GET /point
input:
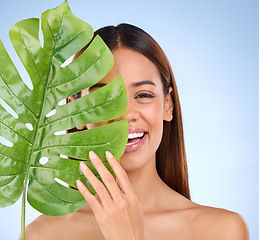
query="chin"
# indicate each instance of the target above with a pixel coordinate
(132, 162)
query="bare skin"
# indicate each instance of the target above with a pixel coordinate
(153, 210)
(186, 221)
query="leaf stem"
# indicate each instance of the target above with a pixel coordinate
(23, 209)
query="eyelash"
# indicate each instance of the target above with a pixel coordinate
(146, 95)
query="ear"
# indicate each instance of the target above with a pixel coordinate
(71, 99)
(168, 107)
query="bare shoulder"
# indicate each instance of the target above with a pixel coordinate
(43, 227)
(216, 223)
(76, 225)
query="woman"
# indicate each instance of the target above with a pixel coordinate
(149, 198)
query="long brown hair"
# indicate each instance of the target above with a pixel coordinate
(171, 161)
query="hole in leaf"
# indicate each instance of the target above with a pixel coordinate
(8, 108)
(62, 102)
(61, 182)
(69, 60)
(63, 156)
(24, 75)
(41, 38)
(6, 142)
(43, 160)
(51, 113)
(29, 126)
(60, 132)
(21, 70)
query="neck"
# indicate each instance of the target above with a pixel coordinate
(151, 191)
(148, 186)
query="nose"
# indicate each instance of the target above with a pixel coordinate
(132, 114)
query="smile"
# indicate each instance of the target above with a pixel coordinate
(136, 139)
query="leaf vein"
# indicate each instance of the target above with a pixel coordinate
(49, 191)
(43, 96)
(81, 75)
(31, 56)
(1, 77)
(60, 47)
(11, 179)
(17, 160)
(53, 169)
(86, 146)
(80, 113)
(16, 132)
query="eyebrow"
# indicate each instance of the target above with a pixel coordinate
(97, 85)
(140, 83)
(135, 84)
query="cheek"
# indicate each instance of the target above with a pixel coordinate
(153, 115)
(94, 125)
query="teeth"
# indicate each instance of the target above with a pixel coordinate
(135, 135)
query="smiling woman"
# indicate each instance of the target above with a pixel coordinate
(171, 152)
(149, 197)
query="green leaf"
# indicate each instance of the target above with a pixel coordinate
(29, 149)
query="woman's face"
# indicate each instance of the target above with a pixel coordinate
(147, 106)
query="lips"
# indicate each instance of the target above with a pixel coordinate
(136, 139)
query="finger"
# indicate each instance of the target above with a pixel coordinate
(96, 184)
(120, 173)
(106, 176)
(89, 197)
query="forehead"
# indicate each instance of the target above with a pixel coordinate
(133, 67)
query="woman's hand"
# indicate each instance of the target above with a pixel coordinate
(120, 215)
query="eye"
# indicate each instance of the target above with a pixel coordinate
(145, 95)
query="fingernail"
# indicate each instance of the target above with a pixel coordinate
(79, 183)
(83, 165)
(109, 155)
(92, 155)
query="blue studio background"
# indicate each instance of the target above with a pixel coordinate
(213, 47)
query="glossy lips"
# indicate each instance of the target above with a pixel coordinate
(136, 139)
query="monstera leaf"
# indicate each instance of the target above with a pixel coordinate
(32, 151)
